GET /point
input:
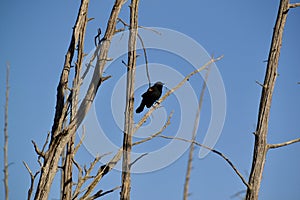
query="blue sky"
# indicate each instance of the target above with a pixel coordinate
(34, 39)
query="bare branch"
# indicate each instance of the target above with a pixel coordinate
(5, 148)
(100, 193)
(155, 134)
(262, 85)
(61, 136)
(37, 150)
(103, 170)
(81, 140)
(146, 59)
(260, 143)
(171, 91)
(146, 28)
(32, 178)
(191, 152)
(294, 5)
(137, 159)
(83, 177)
(214, 151)
(46, 142)
(129, 108)
(274, 146)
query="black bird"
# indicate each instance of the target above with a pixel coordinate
(150, 96)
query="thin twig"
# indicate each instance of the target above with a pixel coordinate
(146, 59)
(100, 193)
(143, 27)
(214, 151)
(81, 140)
(274, 146)
(262, 85)
(83, 177)
(144, 49)
(191, 152)
(157, 133)
(137, 159)
(37, 150)
(46, 142)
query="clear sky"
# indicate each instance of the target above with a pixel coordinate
(34, 39)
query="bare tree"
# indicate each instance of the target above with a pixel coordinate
(61, 135)
(69, 114)
(5, 148)
(261, 146)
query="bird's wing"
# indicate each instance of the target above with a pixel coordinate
(147, 92)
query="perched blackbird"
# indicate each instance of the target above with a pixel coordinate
(149, 97)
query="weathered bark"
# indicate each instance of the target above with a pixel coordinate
(129, 109)
(260, 145)
(68, 165)
(58, 138)
(5, 148)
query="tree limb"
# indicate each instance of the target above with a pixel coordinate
(157, 133)
(100, 193)
(294, 5)
(37, 150)
(260, 143)
(32, 178)
(274, 146)
(129, 108)
(60, 137)
(104, 169)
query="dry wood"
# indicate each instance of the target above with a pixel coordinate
(129, 109)
(67, 178)
(260, 145)
(59, 139)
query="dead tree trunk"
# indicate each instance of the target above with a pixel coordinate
(129, 110)
(61, 136)
(59, 139)
(260, 145)
(68, 165)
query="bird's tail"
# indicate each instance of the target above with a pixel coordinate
(140, 108)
